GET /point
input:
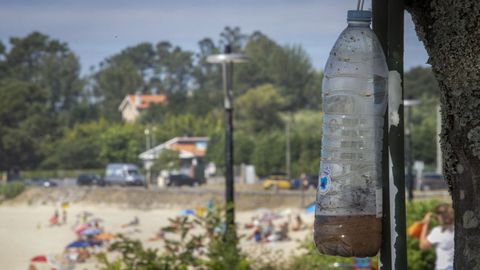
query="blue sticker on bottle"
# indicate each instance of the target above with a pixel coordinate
(324, 181)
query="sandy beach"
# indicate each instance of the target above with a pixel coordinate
(25, 232)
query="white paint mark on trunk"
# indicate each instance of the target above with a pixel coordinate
(394, 101)
(394, 97)
(393, 190)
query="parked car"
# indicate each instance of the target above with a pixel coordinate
(42, 182)
(89, 179)
(177, 180)
(432, 181)
(123, 174)
(276, 181)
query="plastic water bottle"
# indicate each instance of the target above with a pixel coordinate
(349, 196)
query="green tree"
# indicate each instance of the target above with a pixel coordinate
(288, 68)
(234, 37)
(242, 152)
(173, 69)
(112, 83)
(312, 93)
(269, 153)
(79, 148)
(24, 124)
(121, 143)
(141, 56)
(3, 64)
(305, 154)
(216, 150)
(49, 64)
(292, 72)
(258, 109)
(419, 82)
(187, 125)
(178, 103)
(207, 76)
(153, 114)
(167, 160)
(261, 50)
(306, 138)
(424, 130)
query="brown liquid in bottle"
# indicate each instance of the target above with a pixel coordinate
(348, 236)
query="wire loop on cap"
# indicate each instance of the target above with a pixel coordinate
(360, 4)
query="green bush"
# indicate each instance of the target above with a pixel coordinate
(183, 249)
(11, 190)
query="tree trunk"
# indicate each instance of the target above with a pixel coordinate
(450, 31)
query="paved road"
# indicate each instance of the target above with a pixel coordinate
(215, 188)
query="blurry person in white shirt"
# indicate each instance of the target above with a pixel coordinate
(441, 237)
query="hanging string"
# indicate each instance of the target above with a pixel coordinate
(360, 4)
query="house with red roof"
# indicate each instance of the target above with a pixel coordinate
(132, 105)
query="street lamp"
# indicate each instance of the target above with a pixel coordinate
(227, 59)
(147, 146)
(147, 139)
(154, 130)
(409, 103)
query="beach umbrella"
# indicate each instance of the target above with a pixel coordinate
(310, 209)
(80, 228)
(91, 231)
(40, 258)
(104, 236)
(79, 244)
(186, 212)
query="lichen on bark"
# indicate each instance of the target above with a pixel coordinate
(450, 31)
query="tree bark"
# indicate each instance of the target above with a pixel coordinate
(450, 31)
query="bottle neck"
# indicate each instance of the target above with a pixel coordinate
(358, 24)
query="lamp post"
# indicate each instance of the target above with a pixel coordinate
(147, 147)
(227, 59)
(409, 103)
(147, 139)
(154, 130)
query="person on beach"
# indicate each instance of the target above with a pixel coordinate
(298, 224)
(441, 237)
(64, 216)
(65, 206)
(134, 222)
(54, 218)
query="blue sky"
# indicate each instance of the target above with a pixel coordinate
(95, 30)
